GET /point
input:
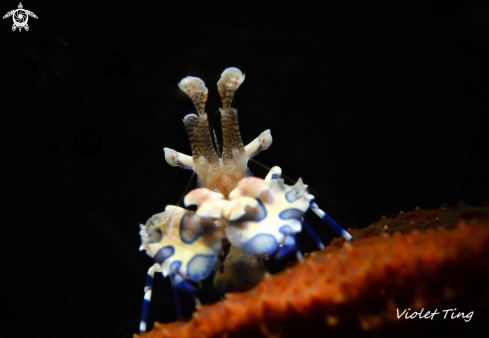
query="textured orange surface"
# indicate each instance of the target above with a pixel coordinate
(422, 259)
(418, 220)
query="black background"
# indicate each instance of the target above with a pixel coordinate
(379, 107)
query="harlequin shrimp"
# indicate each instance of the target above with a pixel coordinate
(258, 217)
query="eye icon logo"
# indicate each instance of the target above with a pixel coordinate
(20, 17)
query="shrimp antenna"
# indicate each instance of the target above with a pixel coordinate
(187, 188)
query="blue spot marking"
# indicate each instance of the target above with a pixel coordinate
(285, 229)
(291, 213)
(176, 278)
(174, 266)
(200, 266)
(287, 247)
(184, 285)
(291, 195)
(261, 244)
(187, 233)
(156, 235)
(164, 253)
(260, 215)
(275, 176)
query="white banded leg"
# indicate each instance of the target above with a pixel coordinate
(148, 290)
(331, 222)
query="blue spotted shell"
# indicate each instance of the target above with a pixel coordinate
(261, 214)
(182, 242)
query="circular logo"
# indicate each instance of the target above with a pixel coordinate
(20, 17)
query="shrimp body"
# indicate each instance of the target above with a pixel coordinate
(259, 217)
(181, 243)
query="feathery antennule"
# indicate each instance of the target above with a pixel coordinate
(203, 152)
(196, 90)
(216, 168)
(230, 81)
